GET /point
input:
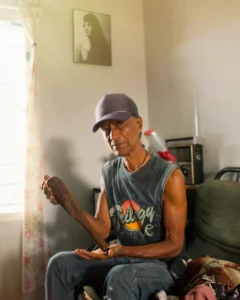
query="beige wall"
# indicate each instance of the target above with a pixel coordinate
(69, 93)
(192, 54)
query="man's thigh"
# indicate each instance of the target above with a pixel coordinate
(77, 272)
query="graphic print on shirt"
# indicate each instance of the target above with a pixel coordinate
(133, 217)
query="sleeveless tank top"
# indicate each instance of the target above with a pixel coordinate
(135, 200)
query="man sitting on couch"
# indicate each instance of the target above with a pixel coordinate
(143, 197)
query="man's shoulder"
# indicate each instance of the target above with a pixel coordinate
(160, 163)
(176, 177)
(162, 169)
(112, 164)
(110, 169)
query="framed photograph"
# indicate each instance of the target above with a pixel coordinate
(91, 38)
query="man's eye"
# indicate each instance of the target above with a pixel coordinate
(106, 130)
(120, 122)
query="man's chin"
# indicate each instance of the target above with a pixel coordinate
(120, 153)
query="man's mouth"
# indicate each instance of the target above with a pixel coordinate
(117, 145)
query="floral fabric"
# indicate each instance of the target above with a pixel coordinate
(34, 243)
(223, 277)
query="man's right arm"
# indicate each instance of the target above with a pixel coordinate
(101, 221)
(100, 224)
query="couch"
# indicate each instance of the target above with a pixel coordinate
(216, 221)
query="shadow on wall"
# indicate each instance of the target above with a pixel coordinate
(107, 158)
(64, 233)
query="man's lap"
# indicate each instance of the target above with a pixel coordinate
(138, 272)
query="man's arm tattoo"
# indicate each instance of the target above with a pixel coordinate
(65, 198)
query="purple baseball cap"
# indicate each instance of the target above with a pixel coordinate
(114, 107)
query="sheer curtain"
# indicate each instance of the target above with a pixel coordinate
(34, 241)
(34, 244)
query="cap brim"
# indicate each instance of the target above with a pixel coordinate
(120, 116)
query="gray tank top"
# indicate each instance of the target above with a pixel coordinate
(135, 200)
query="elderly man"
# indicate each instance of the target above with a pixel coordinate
(143, 198)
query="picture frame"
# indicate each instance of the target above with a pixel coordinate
(91, 38)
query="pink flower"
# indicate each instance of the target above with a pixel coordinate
(40, 206)
(28, 285)
(28, 234)
(27, 260)
(27, 194)
(43, 268)
(41, 242)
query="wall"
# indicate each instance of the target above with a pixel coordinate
(192, 56)
(68, 94)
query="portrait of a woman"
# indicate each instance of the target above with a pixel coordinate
(90, 41)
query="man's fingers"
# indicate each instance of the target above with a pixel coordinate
(97, 251)
(46, 191)
(77, 251)
(110, 253)
(50, 193)
(81, 254)
(86, 253)
(51, 196)
(81, 251)
(53, 201)
(43, 184)
(92, 255)
(46, 177)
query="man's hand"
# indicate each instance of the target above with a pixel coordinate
(48, 191)
(115, 250)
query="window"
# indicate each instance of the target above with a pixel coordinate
(12, 116)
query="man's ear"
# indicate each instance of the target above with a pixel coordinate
(139, 124)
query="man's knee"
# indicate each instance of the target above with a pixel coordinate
(118, 281)
(59, 262)
(135, 281)
(116, 274)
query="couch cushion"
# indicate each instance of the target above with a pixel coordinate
(217, 220)
(199, 247)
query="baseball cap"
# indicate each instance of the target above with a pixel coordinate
(114, 107)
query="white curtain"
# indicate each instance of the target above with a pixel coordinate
(35, 250)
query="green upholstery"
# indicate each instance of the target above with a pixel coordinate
(217, 221)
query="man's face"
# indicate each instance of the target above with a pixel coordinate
(122, 136)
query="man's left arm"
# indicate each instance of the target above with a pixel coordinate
(174, 213)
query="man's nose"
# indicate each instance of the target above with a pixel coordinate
(114, 132)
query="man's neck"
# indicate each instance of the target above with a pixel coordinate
(136, 158)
